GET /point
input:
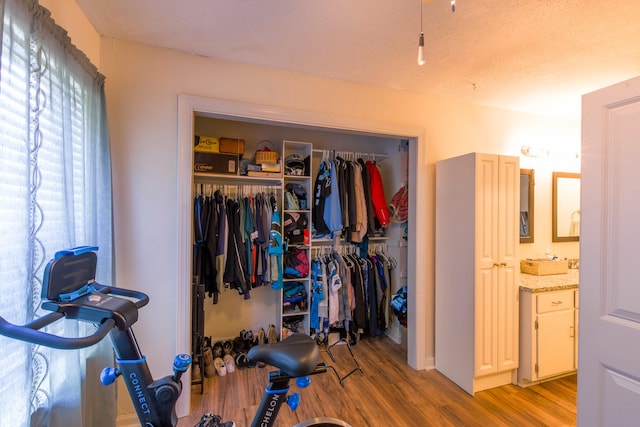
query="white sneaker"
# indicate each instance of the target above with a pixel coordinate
(221, 369)
(229, 363)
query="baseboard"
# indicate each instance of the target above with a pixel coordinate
(430, 363)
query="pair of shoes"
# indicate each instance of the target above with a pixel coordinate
(220, 367)
(272, 335)
(209, 368)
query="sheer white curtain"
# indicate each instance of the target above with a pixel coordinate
(55, 192)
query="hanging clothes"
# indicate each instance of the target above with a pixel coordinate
(317, 294)
(204, 245)
(221, 242)
(332, 210)
(231, 242)
(235, 273)
(276, 249)
(359, 230)
(376, 189)
(322, 188)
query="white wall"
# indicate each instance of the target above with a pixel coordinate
(69, 16)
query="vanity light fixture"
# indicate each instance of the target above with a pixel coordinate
(530, 151)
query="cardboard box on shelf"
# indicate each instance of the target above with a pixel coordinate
(207, 144)
(215, 163)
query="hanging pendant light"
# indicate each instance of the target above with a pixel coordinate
(421, 60)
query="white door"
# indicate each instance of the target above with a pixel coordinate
(609, 352)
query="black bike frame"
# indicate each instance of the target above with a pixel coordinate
(275, 394)
(154, 402)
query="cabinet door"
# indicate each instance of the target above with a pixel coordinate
(486, 276)
(556, 342)
(508, 259)
(497, 244)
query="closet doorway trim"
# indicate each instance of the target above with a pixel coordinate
(189, 106)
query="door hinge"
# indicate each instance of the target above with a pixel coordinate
(536, 368)
(535, 326)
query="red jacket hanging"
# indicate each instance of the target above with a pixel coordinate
(377, 194)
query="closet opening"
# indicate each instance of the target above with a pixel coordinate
(400, 156)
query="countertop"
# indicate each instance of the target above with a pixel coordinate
(553, 282)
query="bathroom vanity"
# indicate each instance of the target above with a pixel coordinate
(548, 326)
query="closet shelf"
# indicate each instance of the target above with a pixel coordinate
(235, 179)
(342, 241)
(294, 313)
(297, 177)
(307, 211)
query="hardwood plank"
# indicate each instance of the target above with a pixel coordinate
(389, 392)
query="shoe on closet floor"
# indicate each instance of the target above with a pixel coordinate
(217, 350)
(238, 345)
(261, 338)
(272, 335)
(227, 347)
(196, 375)
(209, 369)
(248, 338)
(220, 367)
(229, 363)
(242, 361)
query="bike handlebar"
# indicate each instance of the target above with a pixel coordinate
(141, 299)
(28, 334)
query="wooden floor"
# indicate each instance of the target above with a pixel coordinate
(389, 392)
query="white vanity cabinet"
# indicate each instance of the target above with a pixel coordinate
(548, 334)
(477, 269)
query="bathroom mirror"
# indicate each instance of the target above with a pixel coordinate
(566, 207)
(526, 205)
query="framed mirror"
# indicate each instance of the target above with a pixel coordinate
(565, 220)
(526, 205)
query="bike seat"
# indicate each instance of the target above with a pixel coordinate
(297, 355)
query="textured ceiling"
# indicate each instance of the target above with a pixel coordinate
(536, 56)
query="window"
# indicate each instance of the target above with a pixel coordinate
(55, 192)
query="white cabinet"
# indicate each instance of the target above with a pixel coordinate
(477, 269)
(548, 338)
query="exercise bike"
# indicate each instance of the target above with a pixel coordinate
(69, 290)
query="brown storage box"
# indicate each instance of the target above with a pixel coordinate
(215, 163)
(231, 146)
(543, 267)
